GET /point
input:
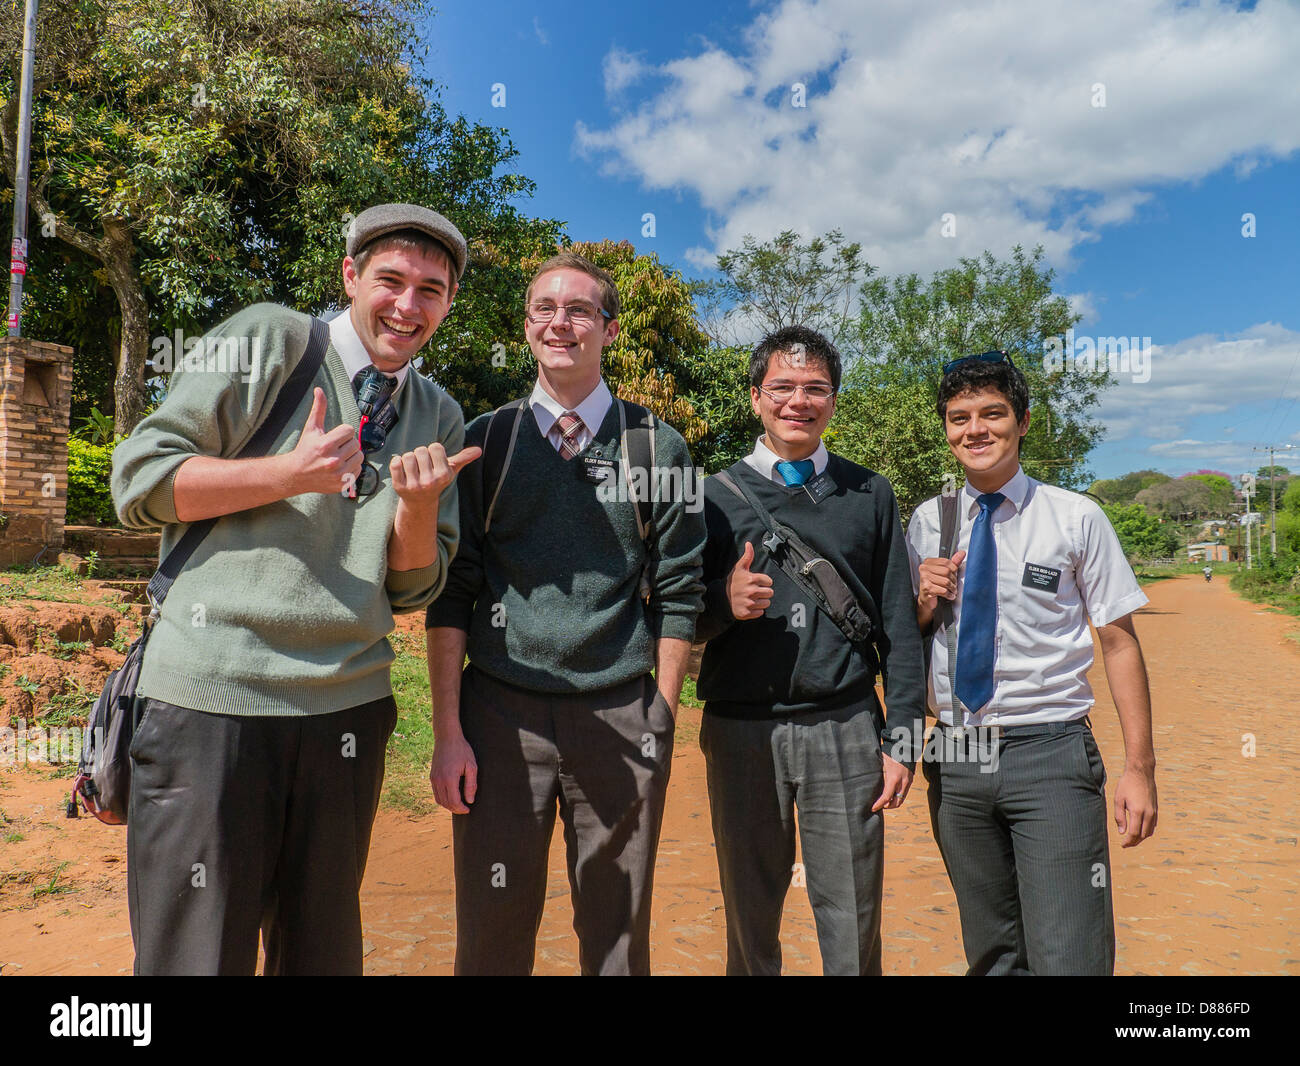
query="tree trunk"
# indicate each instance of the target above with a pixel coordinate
(129, 393)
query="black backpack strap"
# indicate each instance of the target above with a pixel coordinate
(291, 394)
(949, 529)
(636, 426)
(498, 448)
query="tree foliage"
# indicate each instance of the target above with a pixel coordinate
(1222, 495)
(1125, 489)
(1141, 534)
(194, 156)
(1182, 499)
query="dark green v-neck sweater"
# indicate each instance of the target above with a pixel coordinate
(550, 596)
(794, 659)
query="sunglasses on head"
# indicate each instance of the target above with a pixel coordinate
(996, 356)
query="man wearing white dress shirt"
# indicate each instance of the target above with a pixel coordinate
(558, 709)
(1016, 783)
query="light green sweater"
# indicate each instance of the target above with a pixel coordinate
(284, 609)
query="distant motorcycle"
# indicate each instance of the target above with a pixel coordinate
(1207, 572)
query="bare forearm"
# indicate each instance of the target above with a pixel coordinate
(446, 654)
(206, 487)
(671, 657)
(1127, 674)
(413, 543)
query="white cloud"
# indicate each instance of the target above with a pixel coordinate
(986, 113)
(542, 37)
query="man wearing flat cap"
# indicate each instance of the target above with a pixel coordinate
(265, 689)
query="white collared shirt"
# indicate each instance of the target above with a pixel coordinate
(764, 460)
(547, 410)
(1042, 648)
(347, 342)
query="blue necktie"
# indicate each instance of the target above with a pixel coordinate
(979, 610)
(795, 473)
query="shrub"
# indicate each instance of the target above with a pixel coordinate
(90, 469)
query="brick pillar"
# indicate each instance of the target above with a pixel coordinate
(35, 402)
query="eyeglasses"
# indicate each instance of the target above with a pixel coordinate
(782, 393)
(996, 356)
(577, 314)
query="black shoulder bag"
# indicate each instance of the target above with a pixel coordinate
(814, 575)
(103, 781)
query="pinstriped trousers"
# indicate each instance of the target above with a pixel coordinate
(1025, 847)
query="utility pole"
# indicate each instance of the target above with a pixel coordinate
(1247, 487)
(1272, 484)
(22, 167)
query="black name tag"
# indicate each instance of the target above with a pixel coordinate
(819, 487)
(1043, 578)
(595, 469)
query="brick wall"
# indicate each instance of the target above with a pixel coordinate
(35, 400)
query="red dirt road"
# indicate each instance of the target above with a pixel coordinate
(1214, 892)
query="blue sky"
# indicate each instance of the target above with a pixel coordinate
(989, 112)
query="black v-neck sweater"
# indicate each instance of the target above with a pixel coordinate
(794, 659)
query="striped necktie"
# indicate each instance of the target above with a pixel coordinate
(570, 426)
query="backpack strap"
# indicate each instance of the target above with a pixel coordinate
(498, 448)
(636, 434)
(949, 528)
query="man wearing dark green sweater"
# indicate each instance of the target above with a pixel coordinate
(791, 718)
(267, 697)
(558, 708)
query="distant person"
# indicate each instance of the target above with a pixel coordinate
(1017, 786)
(558, 709)
(1207, 572)
(268, 704)
(792, 724)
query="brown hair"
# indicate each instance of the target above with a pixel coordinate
(573, 261)
(409, 240)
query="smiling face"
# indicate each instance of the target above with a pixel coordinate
(398, 300)
(568, 353)
(793, 428)
(985, 437)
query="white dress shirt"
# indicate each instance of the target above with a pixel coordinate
(547, 410)
(764, 460)
(1042, 648)
(346, 341)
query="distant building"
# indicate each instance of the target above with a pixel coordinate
(1207, 552)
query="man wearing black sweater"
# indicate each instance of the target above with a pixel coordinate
(558, 710)
(792, 720)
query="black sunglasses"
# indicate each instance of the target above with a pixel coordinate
(996, 356)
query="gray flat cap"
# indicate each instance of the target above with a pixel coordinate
(387, 218)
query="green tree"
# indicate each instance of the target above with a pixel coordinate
(784, 282)
(914, 327)
(1141, 534)
(1125, 489)
(199, 156)
(1223, 496)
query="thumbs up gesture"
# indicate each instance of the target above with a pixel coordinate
(322, 461)
(748, 593)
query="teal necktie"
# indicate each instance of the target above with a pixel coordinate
(795, 473)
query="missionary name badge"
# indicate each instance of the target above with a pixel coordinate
(1043, 578)
(595, 469)
(819, 487)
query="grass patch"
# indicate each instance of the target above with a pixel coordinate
(59, 584)
(410, 749)
(52, 886)
(14, 838)
(70, 706)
